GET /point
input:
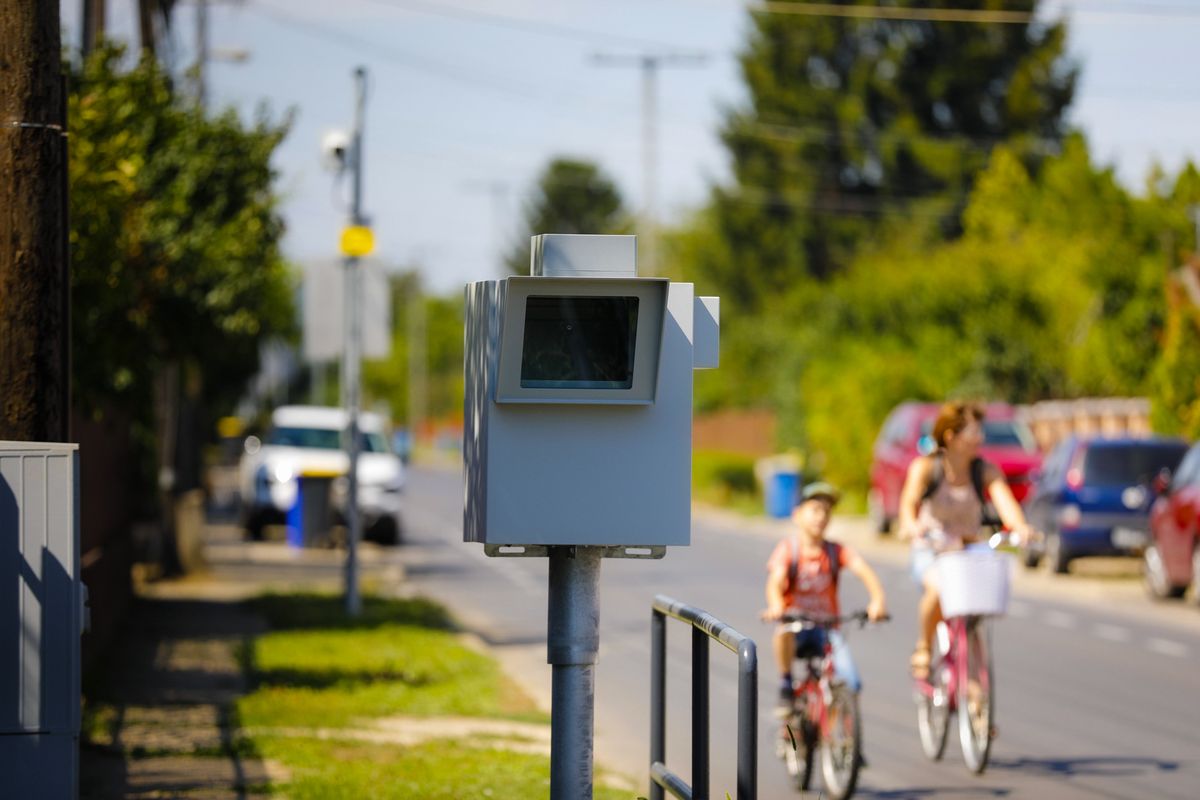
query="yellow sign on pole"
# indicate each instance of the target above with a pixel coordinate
(357, 240)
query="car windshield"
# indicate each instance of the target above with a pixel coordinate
(1130, 464)
(997, 433)
(324, 439)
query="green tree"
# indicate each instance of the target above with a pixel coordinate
(175, 231)
(571, 196)
(441, 318)
(847, 122)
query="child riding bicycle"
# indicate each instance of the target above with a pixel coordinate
(802, 578)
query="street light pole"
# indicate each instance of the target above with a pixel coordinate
(353, 354)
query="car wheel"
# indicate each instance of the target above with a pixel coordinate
(386, 532)
(1154, 576)
(1058, 559)
(254, 525)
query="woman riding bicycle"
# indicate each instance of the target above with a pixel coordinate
(942, 508)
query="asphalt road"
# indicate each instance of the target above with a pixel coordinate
(1098, 691)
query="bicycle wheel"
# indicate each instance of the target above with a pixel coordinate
(976, 700)
(841, 748)
(798, 744)
(933, 709)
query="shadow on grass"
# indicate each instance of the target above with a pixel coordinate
(162, 754)
(310, 611)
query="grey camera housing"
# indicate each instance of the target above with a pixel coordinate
(578, 402)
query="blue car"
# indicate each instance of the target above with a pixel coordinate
(1093, 497)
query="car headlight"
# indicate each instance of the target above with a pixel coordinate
(282, 473)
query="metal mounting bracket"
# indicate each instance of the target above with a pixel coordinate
(543, 550)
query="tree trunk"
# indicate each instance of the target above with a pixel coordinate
(34, 280)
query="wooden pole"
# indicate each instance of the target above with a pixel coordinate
(34, 283)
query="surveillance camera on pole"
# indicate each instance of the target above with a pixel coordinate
(577, 441)
(335, 150)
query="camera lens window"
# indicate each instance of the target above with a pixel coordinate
(579, 342)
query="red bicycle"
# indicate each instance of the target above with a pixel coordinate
(961, 680)
(823, 716)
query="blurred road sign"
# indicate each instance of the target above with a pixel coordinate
(323, 304)
(357, 240)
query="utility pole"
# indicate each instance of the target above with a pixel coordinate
(34, 282)
(418, 361)
(146, 26)
(649, 63)
(352, 362)
(497, 191)
(94, 18)
(201, 51)
(205, 53)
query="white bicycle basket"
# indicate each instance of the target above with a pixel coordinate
(974, 582)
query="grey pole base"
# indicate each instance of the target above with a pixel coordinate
(572, 646)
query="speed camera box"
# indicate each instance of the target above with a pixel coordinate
(578, 407)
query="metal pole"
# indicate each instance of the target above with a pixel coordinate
(418, 367)
(201, 51)
(658, 696)
(747, 722)
(649, 64)
(699, 714)
(649, 163)
(353, 357)
(573, 643)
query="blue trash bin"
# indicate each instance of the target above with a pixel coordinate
(308, 520)
(781, 493)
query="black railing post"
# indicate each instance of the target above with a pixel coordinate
(747, 778)
(658, 696)
(704, 627)
(699, 714)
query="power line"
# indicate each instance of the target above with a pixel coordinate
(524, 25)
(897, 13)
(847, 206)
(358, 43)
(822, 132)
(967, 15)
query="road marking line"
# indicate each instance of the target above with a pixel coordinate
(1112, 633)
(1060, 619)
(1167, 647)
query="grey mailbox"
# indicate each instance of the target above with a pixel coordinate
(41, 619)
(578, 417)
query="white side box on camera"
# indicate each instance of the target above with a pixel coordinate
(578, 407)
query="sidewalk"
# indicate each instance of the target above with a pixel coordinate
(167, 721)
(167, 725)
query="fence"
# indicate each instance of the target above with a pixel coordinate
(704, 627)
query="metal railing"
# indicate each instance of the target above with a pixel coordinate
(704, 627)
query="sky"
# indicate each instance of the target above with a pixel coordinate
(470, 99)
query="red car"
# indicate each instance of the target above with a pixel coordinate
(907, 432)
(1172, 559)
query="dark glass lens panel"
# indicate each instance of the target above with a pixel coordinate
(579, 342)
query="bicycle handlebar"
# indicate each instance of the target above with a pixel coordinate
(800, 622)
(1001, 538)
